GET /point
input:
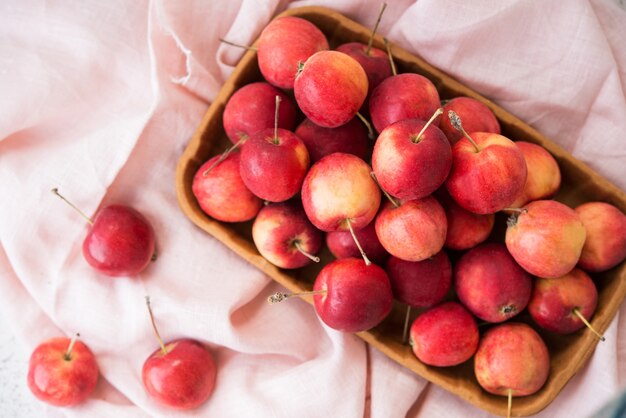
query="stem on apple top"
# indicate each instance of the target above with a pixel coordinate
(509, 406)
(242, 138)
(358, 244)
(370, 131)
(279, 297)
(418, 138)
(371, 40)
(154, 327)
(407, 317)
(276, 120)
(512, 220)
(87, 218)
(68, 353)
(458, 125)
(305, 252)
(249, 48)
(393, 64)
(391, 199)
(576, 311)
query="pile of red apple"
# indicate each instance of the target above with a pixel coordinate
(389, 207)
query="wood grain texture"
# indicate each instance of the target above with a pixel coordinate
(568, 353)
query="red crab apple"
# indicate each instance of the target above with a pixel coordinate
(476, 117)
(341, 244)
(403, 96)
(465, 229)
(488, 171)
(411, 158)
(511, 360)
(413, 230)
(491, 284)
(349, 295)
(544, 175)
(283, 44)
(62, 372)
(330, 88)
(284, 236)
(120, 241)
(221, 193)
(181, 374)
(564, 304)
(350, 138)
(445, 335)
(339, 194)
(251, 109)
(605, 246)
(545, 238)
(273, 163)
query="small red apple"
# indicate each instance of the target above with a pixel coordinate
(476, 117)
(465, 229)
(544, 175)
(445, 335)
(62, 372)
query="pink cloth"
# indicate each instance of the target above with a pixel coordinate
(100, 99)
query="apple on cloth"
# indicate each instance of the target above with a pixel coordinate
(101, 99)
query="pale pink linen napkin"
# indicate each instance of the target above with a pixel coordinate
(101, 99)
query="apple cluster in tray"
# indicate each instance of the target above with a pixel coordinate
(437, 175)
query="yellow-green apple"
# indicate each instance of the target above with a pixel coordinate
(284, 43)
(544, 175)
(285, 237)
(120, 240)
(414, 230)
(605, 246)
(564, 304)
(511, 360)
(465, 229)
(180, 374)
(488, 171)
(341, 244)
(221, 193)
(330, 88)
(403, 96)
(491, 284)
(62, 372)
(411, 158)
(354, 296)
(420, 284)
(252, 108)
(476, 117)
(445, 335)
(273, 164)
(545, 238)
(350, 138)
(338, 193)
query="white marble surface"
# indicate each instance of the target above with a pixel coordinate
(16, 401)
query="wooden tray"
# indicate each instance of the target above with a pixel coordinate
(580, 184)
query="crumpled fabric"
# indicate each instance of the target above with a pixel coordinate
(101, 98)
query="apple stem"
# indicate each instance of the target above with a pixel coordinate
(87, 218)
(154, 257)
(226, 153)
(418, 138)
(370, 131)
(279, 296)
(249, 48)
(358, 244)
(393, 65)
(512, 220)
(68, 354)
(154, 327)
(407, 317)
(579, 314)
(305, 252)
(509, 403)
(371, 40)
(391, 199)
(276, 120)
(458, 125)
